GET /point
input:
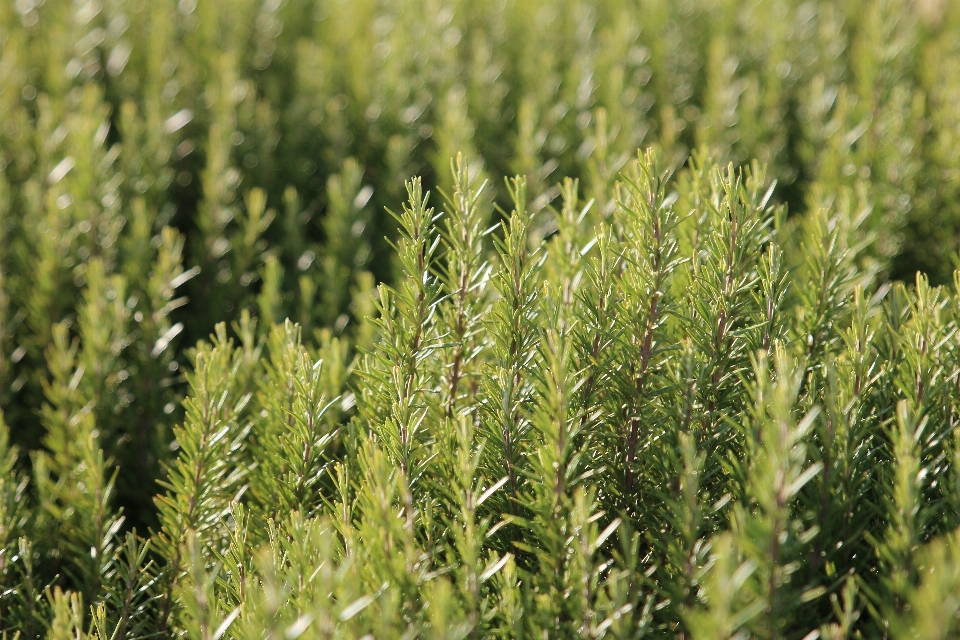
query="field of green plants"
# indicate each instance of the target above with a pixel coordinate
(479, 319)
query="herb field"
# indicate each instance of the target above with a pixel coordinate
(503, 318)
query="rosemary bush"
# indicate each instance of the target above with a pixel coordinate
(257, 382)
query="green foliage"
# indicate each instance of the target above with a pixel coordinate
(680, 393)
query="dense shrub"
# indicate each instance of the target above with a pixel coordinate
(709, 390)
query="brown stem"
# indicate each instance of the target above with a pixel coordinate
(461, 329)
(645, 354)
